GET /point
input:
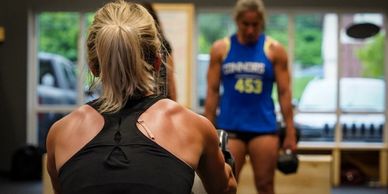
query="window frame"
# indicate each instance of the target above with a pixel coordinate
(33, 107)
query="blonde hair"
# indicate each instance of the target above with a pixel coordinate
(249, 5)
(123, 43)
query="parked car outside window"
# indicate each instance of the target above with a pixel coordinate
(57, 85)
(57, 80)
(357, 95)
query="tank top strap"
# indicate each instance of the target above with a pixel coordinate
(93, 104)
(137, 107)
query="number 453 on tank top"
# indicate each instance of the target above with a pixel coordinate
(249, 85)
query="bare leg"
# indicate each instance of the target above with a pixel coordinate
(263, 153)
(238, 149)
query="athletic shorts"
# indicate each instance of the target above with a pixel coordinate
(246, 137)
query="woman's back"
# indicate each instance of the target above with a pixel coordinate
(122, 145)
(125, 160)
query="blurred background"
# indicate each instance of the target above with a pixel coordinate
(338, 79)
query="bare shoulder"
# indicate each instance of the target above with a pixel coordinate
(275, 51)
(179, 130)
(84, 113)
(174, 110)
(69, 134)
(71, 123)
(220, 47)
(273, 45)
(220, 43)
(184, 119)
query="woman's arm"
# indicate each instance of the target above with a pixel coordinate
(216, 175)
(51, 165)
(213, 80)
(282, 76)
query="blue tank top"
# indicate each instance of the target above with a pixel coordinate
(247, 79)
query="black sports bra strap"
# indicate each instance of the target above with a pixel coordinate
(141, 106)
(133, 105)
(93, 104)
(149, 101)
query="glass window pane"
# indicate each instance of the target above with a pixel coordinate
(222, 25)
(314, 76)
(277, 28)
(58, 38)
(57, 80)
(362, 88)
(316, 126)
(362, 128)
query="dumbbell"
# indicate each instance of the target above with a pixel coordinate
(288, 162)
(223, 137)
(198, 187)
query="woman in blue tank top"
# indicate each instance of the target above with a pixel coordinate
(132, 140)
(246, 66)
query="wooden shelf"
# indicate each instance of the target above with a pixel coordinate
(305, 145)
(336, 148)
(361, 146)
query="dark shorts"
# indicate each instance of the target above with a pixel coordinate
(246, 137)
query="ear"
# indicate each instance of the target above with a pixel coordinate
(95, 69)
(157, 62)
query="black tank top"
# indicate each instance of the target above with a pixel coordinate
(122, 160)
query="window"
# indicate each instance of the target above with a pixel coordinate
(362, 89)
(314, 75)
(59, 70)
(222, 26)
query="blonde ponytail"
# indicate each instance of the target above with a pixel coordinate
(122, 38)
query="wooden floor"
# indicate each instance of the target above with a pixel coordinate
(246, 184)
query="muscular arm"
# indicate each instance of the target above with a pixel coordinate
(51, 166)
(216, 175)
(282, 76)
(213, 80)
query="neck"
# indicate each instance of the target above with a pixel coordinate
(245, 41)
